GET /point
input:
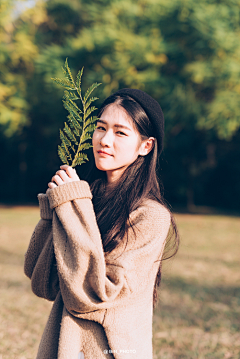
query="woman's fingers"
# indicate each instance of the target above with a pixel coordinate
(57, 179)
(71, 172)
(63, 175)
(51, 185)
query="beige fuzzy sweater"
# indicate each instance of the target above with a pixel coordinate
(103, 303)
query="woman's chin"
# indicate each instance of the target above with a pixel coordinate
(101, 168)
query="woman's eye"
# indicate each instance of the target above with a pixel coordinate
(121, 133)
(101, 127)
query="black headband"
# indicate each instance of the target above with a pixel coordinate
(152, 109)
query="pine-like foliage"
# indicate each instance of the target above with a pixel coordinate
(80, 125)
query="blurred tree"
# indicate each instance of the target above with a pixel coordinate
(183, 53)
(18, 52)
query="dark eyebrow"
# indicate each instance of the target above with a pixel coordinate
(118, 126)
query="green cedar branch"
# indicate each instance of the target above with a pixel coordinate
(80, 126)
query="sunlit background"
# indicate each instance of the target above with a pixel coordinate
(186, 54)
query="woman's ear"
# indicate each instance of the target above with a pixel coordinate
(146, 146)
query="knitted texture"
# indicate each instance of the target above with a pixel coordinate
(45, 210)
(102, 302)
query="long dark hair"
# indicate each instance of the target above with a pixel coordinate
(113, 203)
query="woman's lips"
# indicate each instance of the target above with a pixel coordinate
(104, 154)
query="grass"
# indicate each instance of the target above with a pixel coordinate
(23, 315)
(198, 315)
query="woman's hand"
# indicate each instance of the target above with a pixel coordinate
(65, 175)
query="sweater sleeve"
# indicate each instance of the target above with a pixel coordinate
(40, 262)
(89, 280)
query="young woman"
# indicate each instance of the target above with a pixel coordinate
(98, 247)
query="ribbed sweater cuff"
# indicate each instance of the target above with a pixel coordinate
(68, 192)
(45, 210)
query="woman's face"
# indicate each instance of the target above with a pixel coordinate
(116, 136)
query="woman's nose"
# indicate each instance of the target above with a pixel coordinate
(106, 139)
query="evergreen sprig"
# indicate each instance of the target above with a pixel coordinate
(80, 125)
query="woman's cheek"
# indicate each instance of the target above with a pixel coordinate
(94, 138)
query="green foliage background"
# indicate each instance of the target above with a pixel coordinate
(184, 53)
